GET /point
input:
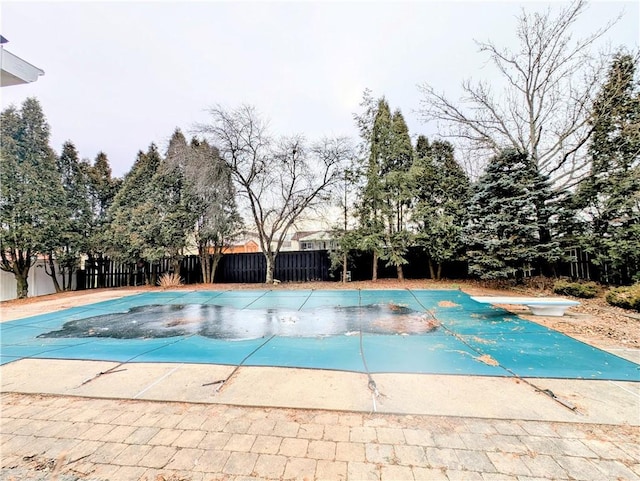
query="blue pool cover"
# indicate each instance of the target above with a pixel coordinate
(468, 338)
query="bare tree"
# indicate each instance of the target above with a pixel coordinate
(278, 179)
(550, 82)
(211, 197)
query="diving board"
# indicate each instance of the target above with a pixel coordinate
(539, 306)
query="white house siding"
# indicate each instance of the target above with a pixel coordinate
(40, 283)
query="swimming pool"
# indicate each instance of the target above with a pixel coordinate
(379, 331)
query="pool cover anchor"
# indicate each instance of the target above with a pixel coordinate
(373, 387)
(374, 393)
(564, 402)
(220, 383)
(113, 370)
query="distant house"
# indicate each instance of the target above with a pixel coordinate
(247, 242)
(15, 71)
(313, 240)
(242, 248)
(298, 241)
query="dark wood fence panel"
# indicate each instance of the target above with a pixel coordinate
(243, 268)
(303, 266)
(290, 267)
(233, 268)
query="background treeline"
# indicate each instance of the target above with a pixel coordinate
(513, 219)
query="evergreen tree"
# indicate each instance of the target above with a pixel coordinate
(75, 218)
(371, 231)
(385, 196)
(505, 219)
(102, 190)
(169, 203)
(440, 190)
(31, 194)
(132, 218)
(609, 198)
(396, 192)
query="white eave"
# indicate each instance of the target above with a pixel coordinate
(317, 236)
(16, 71)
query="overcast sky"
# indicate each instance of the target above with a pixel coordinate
(121, 75)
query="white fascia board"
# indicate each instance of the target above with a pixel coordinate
(317, 236)
(16, 71)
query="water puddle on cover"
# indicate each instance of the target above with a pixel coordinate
(223, 322)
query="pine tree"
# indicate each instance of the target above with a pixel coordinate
(76, 216)
(132, 218)
(440, 190)
(385, 196)
(102, 190)
(169, 204)
(396, 192)
(31, 194)
(610, 195)
(371, 231)
(505, 220)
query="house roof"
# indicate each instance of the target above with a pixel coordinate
(302, 234)
(321, 235)
(16, 71)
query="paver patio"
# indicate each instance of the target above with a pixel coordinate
(82, 436)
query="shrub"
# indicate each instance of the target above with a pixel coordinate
(168, 280)
(585, 290)
(627, 297)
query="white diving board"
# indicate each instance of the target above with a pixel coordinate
(540, 306)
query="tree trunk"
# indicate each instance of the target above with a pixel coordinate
(22, 285)
(153, 277)
(432, 270)
(400, 272)
(214, 265)
(19, 265)
(64, 274)
(271, 267)
(344, 268)
(205, 263)
(439, 271)
(204, 267)
(70, 279)
(374, 274)
(53, 275)
(176, 262)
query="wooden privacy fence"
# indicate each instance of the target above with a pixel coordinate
(238, 268)
(299, 266)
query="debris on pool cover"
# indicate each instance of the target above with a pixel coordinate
(223, 322)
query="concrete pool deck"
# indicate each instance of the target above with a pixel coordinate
(423, 427)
